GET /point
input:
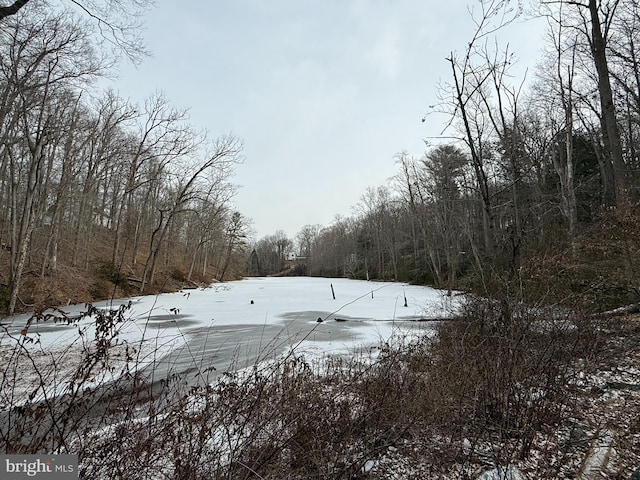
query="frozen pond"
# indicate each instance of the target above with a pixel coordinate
(235, 324)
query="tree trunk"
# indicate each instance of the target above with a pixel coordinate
(611, 131)
(477, 161)
(23, 239)
(154, 249)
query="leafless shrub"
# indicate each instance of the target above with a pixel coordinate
(501, 374)
(72, 392)
(478, 394)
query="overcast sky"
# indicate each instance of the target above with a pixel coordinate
(323, 93)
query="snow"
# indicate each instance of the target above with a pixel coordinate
(249, 315)
(597, 459)
(257, 312)
(168, 318)
(508, 473)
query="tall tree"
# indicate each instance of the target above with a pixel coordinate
(45, 54)
(306, 239)
(235, 240)
(598, 44)
(444, 165)
(221, 156)
(467, 95)
(595, 19)
(562, 61)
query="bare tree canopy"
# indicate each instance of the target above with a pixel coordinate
(119, 22)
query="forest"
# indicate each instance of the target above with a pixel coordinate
(100, 197)
(533, 187)
(530, 181)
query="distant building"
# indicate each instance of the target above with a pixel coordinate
(295, 264)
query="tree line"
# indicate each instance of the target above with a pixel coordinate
(90, 181)
(524, 177)
(522, 174)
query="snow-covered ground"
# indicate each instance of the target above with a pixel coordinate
(259, 301)
(230, 325)
(236, 324)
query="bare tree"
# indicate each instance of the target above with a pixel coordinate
(235, 237)
(68, 145)
(445, 165)
(624, 68)
(377, 239)
(221, 156)
(45, 55)
(95, 149)
(206, 225)
(162, 135)
(118, 21)
(598, 44)
(563, 63)
(413, 184)
(594, 20)
(306, 238)
(271, 252)
(469, 88)
(334, 252)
